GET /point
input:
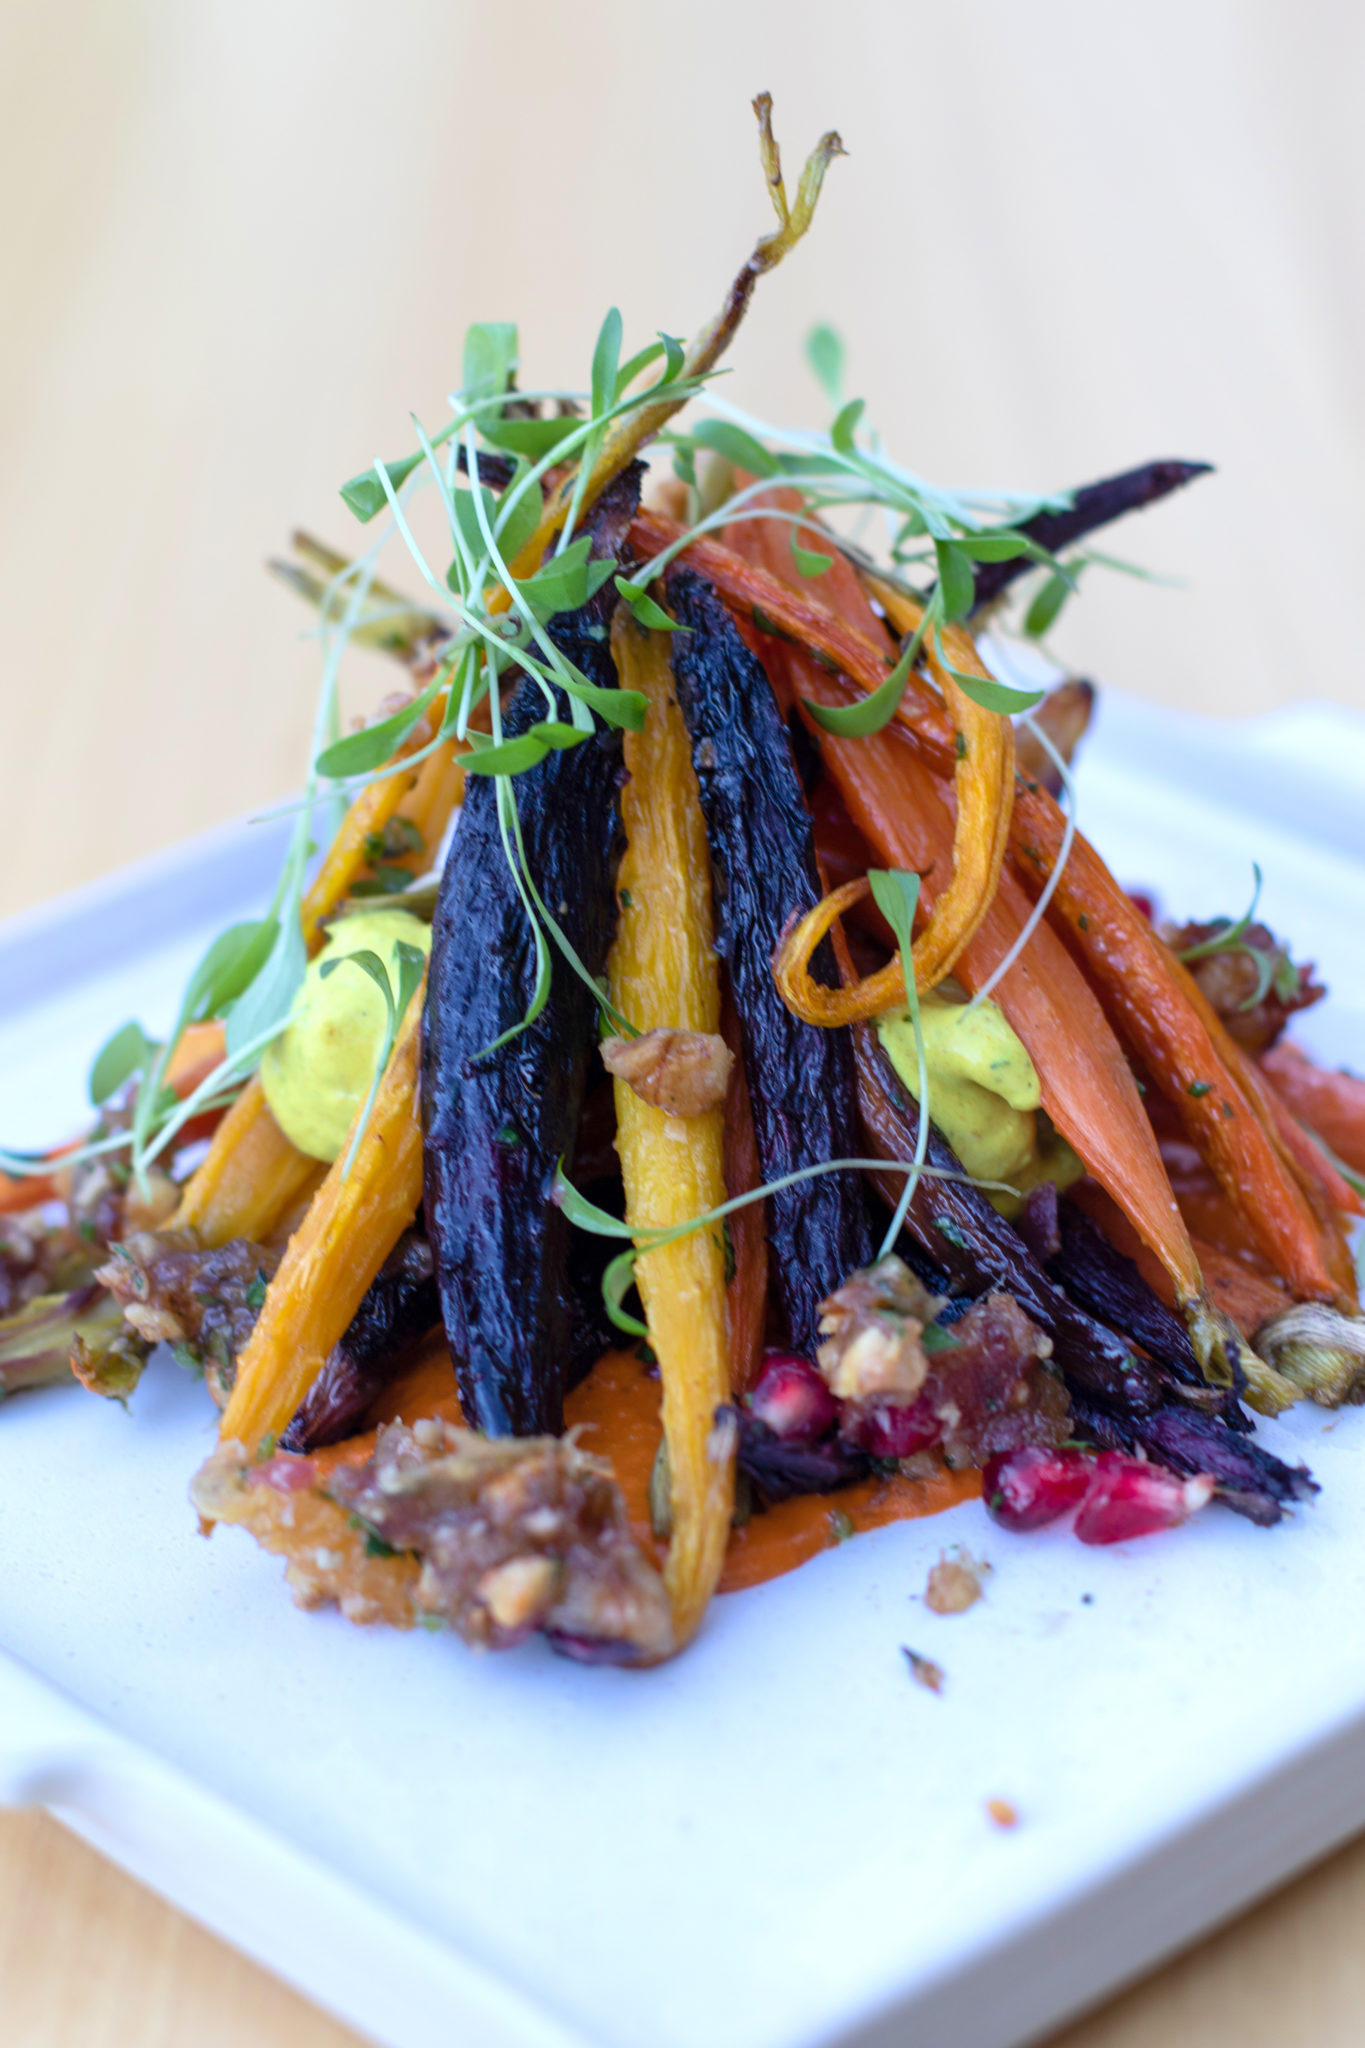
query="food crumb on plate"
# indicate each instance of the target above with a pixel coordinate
(1003, 1813)
(923, 1670)
(954, 1583)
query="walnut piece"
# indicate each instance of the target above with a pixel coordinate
(872, 1327)
(683, 1073)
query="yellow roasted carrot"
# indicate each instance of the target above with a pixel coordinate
(353, 1223)
(250, 1179)
(663, 972)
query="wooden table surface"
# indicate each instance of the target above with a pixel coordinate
(242, 241)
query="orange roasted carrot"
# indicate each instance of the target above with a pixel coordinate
(354, 1221)
(1164, 1017)
(252, 1175)
(349, 854)
(983, 776)
(1330, 1103)
(1120, 950)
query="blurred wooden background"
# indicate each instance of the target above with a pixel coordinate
(241, 240)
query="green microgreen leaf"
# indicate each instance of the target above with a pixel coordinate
(264, 1006)
(896, 893)
(825, 354)
(359, 753)
(491, 356)
(879, 707)
(646, 612)
(566, 581)
(809, 561)
(519, 512)
(675, 356)
(744, 450)
(956, 580)
(531, 438)
(513, 757)
(126, 1052)
(984, 690)
(365, 494)
(845, 426)
(229, 967)
(606, 356)
(1046, 607)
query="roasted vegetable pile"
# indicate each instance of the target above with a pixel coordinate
(767, 1115)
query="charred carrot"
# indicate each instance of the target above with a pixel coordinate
(1332, 1104)
(663, 971)
(353, 1223)
(1161, 1013)
(983, 779)
(1120, 951)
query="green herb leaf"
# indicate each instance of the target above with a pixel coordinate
(1003, 545)
(266, 1003)
(566, 581)
(825, 354)
(466, 512)
(646, 612)
(228, 968)
(513, 757)
(617, 1282)
(845, 425)
(860, 721)
(605, 357)
(129, 1051)
(255, 1294)
(956, 580)
(675, 355)
(984, 690)
(518, 519)
(1046, 607)
(360, 753)
(895, 891)
(491, 355)
(809, 561)
(723, 438)
(365, 494)
(933, 1337)
(532, 438)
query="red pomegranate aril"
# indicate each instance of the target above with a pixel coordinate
(886, 1431)
(1030, 1487)
(1128, 1498)
(792, 1398)
(1140, 900)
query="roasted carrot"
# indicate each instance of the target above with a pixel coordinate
(1164, 1017)
(353, 1223)
(1120, 951)
(349, 854)
(663, 971)
(249, 1179)
(983, 781)
(1332, 1104)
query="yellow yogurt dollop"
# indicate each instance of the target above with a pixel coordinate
(318, 1071)
(984, 1092)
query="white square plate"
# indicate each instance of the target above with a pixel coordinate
(779, 1840)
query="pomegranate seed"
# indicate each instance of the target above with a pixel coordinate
(1030, 1487)
(885, 1431)
(1129, 1498)
(1143, 902)
(792, 1398)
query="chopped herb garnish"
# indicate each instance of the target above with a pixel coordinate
(255, 1294)
(1198, 1088)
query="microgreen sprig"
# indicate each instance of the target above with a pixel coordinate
(644, 1237)
(411, 964)
(1274, 968)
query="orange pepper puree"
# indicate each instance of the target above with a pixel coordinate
(616, 1409)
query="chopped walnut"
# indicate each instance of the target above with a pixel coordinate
(954, 1583)
(173, 1293)
(683, 1073)
(514, 1534)
(872, 1327)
